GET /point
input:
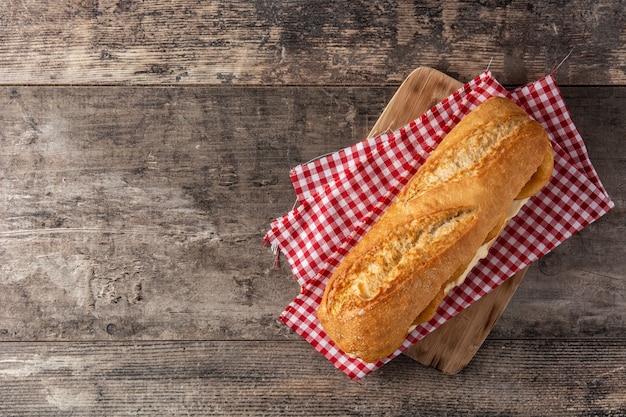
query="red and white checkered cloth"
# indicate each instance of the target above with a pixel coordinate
(341, 196)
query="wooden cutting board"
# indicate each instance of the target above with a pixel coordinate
(453, 345)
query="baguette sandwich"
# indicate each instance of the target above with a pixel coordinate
(438, 227)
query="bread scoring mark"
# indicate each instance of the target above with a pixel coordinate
(481, 144)
(408, 246)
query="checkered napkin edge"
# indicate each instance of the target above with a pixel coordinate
(341, 195)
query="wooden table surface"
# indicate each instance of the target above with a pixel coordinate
(146, 146)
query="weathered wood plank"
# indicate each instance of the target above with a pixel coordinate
(313, 42)
(531, 378)
(138, 213)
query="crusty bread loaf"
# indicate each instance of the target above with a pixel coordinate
(429, 237)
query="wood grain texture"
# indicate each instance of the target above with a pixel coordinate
(422, 89)
(307, 43)
(534, 378)
(138, 213)
(289, 379)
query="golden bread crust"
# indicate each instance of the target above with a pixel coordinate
(398, 271)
